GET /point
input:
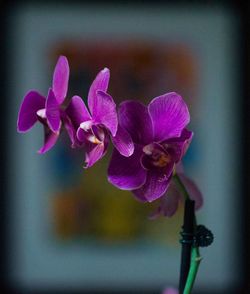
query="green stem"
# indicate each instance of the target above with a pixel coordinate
(195, 262)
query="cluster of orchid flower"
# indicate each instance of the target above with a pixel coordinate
(149, 141)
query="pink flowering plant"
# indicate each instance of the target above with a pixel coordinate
(48, 111)
(149, 144)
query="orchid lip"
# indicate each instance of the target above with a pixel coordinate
(163, 178)
(155, 156)
(161, 160)
(98, 132)
(93, 139)
(94, 134)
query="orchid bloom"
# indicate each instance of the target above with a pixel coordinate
(169, 202)
(35, 107)
(93, 127)
(160, 138)
(170, 291)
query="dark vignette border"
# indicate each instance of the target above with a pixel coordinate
(238, 7)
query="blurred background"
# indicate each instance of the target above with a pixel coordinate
(68, 230)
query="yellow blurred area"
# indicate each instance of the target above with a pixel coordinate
(96, 209)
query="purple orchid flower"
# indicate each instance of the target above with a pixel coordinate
(35, 107)
(94, 128)
(170, 290)
(169, 202)
(160, 139)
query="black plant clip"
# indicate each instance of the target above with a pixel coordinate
(191, 236)
(187, 238)
(203, 237)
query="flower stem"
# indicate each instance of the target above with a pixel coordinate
(190, 258)
(195, 262)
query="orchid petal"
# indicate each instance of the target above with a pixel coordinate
(27, 116)
(154, 214)
(50, 139)
(179, 168)
(186, 137)
(77, 111)
(100, 83)
(94, 152)
(52, 112)
(178, 146)
(104, 112)
(169, 115)
(61, 79)
(71, 130)
(170, 201)
(134, 117)
(123, 142)
(81, 134)
(154, 187)
(193, 191)
(126, 173)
